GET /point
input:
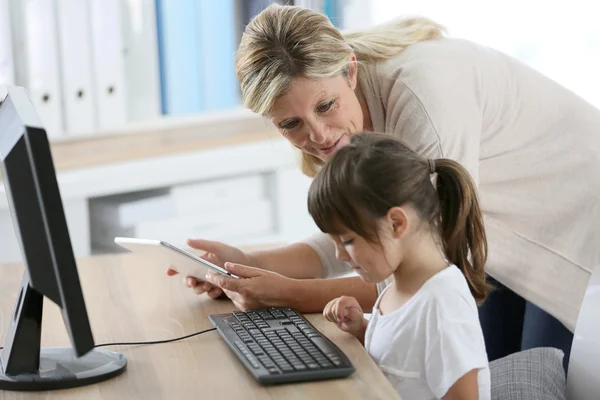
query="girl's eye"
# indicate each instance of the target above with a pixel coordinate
(347, 242)
(289, 124)
(325, 107)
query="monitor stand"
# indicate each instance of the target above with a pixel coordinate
(25, 366)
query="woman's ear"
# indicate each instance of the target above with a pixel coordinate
(352, 71)
(399, 221)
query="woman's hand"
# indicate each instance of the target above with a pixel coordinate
(256, 288)
(347, 314)
(216, 253)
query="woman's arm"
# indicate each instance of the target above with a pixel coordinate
(262, 288)
(286, 276)
(297, 260)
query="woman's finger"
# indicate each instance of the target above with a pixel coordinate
(202, 288)
(215, 292)
(190, 282)
(206, 245)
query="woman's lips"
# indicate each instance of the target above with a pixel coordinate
(332, 148)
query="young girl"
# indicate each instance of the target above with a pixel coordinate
(377, 200)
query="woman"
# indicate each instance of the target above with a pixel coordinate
(531, 146)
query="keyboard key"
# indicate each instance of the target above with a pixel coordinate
(323, 345)
(266, 316)
(273, 370)
(289, 313)
(300, 367)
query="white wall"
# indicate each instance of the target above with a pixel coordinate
(559, 39)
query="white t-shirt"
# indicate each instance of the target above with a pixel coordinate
(432, 340)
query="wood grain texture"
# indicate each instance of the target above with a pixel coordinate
(130, 301)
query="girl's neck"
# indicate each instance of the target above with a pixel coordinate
(424, 260)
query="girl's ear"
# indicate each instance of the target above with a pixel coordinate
(398, 220)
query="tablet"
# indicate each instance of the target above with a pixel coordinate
(164, 254)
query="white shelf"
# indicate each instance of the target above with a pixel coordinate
(243, 119)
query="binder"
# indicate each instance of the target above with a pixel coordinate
(181, 70)
(36, 59)
(251, 8)
(108, 65)
(7, 72)
(140, 57)
(217, 46)
(74, 36)
(316, 5)
(333, 10)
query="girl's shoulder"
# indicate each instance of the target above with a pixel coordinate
(448, 292)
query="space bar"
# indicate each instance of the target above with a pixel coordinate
(324, 346)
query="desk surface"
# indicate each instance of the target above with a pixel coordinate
(128, 302)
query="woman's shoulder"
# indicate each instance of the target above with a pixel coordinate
(432, 55)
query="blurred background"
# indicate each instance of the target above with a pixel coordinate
(142, 106)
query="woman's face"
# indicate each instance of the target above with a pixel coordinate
(318, 116)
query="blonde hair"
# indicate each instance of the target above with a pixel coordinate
(286, 42)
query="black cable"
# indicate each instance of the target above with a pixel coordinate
(153, 342)
(156, 341)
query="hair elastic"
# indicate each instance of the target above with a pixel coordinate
(431, 166)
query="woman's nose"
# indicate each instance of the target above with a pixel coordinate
(317, 133)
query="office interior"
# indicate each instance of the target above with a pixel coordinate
(148, 132)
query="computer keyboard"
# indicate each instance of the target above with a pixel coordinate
(278, 345)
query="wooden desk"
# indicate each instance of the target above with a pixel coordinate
(127, 301)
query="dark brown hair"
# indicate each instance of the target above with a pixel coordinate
(376, 172)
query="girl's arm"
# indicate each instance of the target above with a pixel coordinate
(466, 388)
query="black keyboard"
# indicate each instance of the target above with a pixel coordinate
(278, 345)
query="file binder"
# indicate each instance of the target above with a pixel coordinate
(108, 65)
(76, 66)
(217, 46)
(36, 59)
(7, 72)
(140, 53)
(181, 70)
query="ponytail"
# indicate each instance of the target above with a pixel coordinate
(461, 224)
(390, 39)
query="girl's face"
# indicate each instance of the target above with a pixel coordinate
(375, 262)
(318, 116)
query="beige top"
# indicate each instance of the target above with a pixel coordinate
(532, 146)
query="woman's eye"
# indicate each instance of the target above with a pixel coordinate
(289, 125)
(347, 242)
(325, 107)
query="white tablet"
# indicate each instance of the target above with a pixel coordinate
(166, 255)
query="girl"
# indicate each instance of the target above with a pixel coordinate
(376, 199)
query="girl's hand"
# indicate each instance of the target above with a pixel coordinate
(346, 313)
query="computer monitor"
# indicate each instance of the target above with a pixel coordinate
(50, 270)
